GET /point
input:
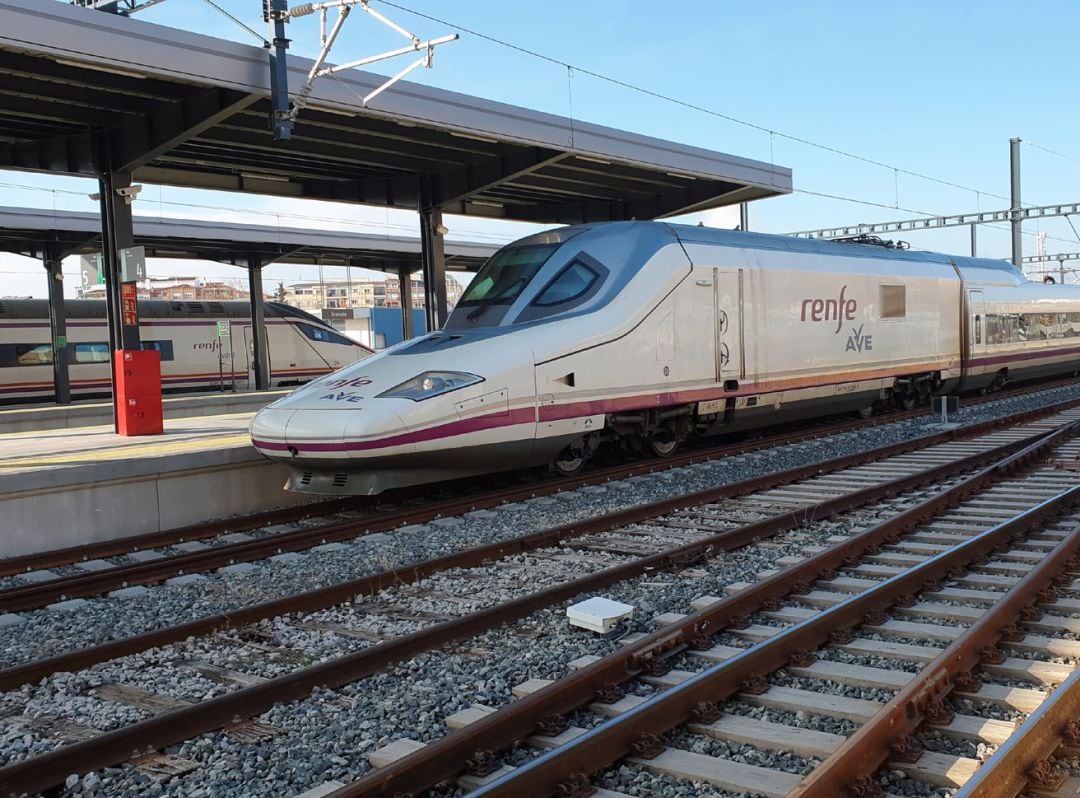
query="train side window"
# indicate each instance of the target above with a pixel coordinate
(323, 335)
(14, 355)
(97, 352)
(1065, 325)
(165, 348)
(574, 284)
(569, 284)
(978, 329)
(893, 301)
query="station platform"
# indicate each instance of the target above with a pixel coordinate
(65, 487)
(82, 413)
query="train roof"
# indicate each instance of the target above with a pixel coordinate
(149, 309)
(976, 270)
(736, 238)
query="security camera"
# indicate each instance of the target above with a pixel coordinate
(441, 230)
(129, 193)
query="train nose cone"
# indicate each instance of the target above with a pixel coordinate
(268, 431)
(321, 437)
(377, 432)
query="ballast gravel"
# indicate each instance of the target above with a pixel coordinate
(329, 735)
(45, 633)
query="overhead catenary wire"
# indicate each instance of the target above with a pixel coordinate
(227, 15)
(687, 104)
(1033, 145)
(571, 69)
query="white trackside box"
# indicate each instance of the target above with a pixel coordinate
(598, 614)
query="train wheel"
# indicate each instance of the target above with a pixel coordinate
(663, 443)
(865, 412)
(569, 462)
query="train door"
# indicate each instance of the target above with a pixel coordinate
(686, 341)
(976, 325)
(727, 309)
(244, 362)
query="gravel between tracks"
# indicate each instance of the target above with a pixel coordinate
(329, 735)
(49, 632)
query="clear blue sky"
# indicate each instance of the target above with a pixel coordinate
(934, 88)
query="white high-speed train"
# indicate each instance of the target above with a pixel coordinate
(193, 357)
(644, 333)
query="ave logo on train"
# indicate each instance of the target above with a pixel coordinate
(839, 310)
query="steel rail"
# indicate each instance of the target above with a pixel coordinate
(39, 594)
(110, 748)
(33, 596)
(15, 676)
(613, 740)
(852, 765)
(1009, 769)
(444, 758)
(15, 565)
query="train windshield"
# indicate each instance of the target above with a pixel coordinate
(502, 279)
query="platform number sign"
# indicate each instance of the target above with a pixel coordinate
(223, 329)
(90, 270)
(132, 265)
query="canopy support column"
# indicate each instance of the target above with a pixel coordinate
(260, 357)
(53, 259)
(117, 234)
(433, 257)
(405, 292)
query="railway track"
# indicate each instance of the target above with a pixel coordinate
(892, 471)
(944, 624)
(159, 557)
(145, 559)
(577, 558)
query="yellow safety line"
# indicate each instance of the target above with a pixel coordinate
(91, 428)
(131, 452)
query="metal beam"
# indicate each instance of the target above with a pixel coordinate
(259, 355)
(934, 222)
(405, 297)
(458, 185)
(53, 259)
(697, 195)
(1014, 207)
(1050, 258)
(433, 255)
(133, 143)
(140, 140)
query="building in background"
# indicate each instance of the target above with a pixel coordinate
(368, 311)
(374, 327)
(176, 289)
(318, 295)
(196, 292)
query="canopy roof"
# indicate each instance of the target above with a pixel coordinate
(83, 92)
(28, 231)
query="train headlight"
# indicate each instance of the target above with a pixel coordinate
(429, 384)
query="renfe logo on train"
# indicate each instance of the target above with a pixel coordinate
(838, 310)
(344, 396)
